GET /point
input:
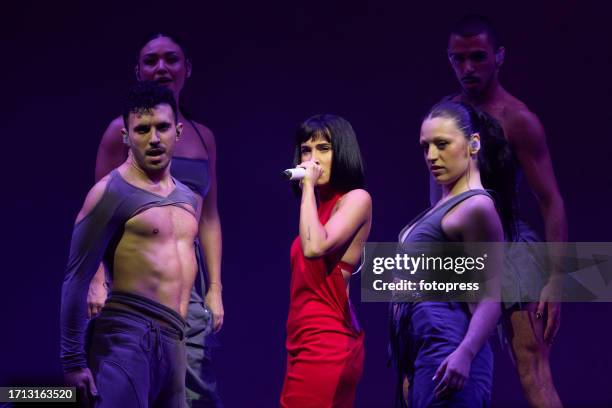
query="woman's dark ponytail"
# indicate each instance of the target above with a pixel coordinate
(497, 167)
(496, 162)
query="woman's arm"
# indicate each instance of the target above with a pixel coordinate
(111, 151)
(354, 210)
(476, 220)
(482, 224)
(210, 236)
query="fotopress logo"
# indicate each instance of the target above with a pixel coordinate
(509, 272)
(412, 264)
(427, 271)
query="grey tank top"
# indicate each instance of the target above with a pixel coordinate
(427, 226)
(95, 239)
(194, 173)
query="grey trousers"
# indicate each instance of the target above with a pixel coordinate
(200, 381)
(137, 361)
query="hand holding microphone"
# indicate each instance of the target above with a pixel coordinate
(305, 171)
(296, 173)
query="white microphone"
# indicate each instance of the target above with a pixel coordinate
(296, 173)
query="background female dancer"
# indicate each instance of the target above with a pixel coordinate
(163, 59)
(442, 347)
(324, 341)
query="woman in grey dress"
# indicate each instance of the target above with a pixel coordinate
(163, 58)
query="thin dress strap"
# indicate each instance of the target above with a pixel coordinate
(193, 125)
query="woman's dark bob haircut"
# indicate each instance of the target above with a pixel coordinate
(347, 165)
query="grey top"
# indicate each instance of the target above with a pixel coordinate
(428, 224)
(94, 240)
(194, 173)
(427, 228)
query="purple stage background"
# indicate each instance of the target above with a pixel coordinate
(259, 69)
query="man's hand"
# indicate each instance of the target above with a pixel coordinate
(96, 296)
(214, 301)
(452, 373)
(82, 379)
(550, 307)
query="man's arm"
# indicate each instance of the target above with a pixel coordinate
(528, 140)
(85, 257)
(111, 154)
(97, 293)
(529, 143)
(82, 265)
(210, 237)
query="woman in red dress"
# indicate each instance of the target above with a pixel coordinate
(324, 342)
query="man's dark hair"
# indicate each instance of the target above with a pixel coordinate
(347, 165)
(146, 95)
(474, 24)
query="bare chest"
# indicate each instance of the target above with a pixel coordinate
(166, 222)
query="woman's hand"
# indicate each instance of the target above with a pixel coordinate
(214, 301)
(313, 172)
(453, 373)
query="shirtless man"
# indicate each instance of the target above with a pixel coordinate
(476, 57)
(141, 224)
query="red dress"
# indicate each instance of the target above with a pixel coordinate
(325, 349)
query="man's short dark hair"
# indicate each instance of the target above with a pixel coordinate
(474, 24)
(146, 95)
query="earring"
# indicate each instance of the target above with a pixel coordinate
(498, 58)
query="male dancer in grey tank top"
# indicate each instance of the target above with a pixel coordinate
(476, 56)
(141, 224)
